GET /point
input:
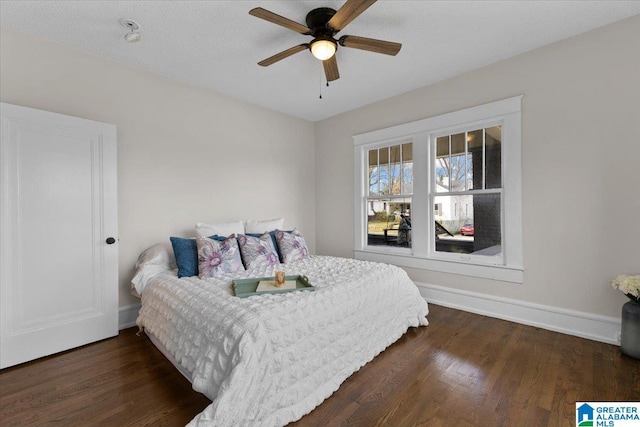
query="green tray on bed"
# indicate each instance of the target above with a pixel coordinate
(247, 287)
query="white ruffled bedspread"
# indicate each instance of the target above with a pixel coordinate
(268, 360)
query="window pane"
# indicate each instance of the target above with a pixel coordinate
(389, 222)
(407, 168)
(390, 170)
(374, 173)
(407, 152)
(442, 164)
(457, 167)
(493, 153)
(469, 161)
(395, 154)
(373, 157)
(469, 224)
(394, 167)
(407, 177)
(451, 163)
(374, 179)
(396, 185)
(384, 155)
(383, 177)
(474, 160)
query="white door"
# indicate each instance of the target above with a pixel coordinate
(58, 194)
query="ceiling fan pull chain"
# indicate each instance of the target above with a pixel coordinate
(321, 82)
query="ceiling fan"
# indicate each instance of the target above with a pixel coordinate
(323, 24)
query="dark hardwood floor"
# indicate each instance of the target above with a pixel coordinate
(461, 370)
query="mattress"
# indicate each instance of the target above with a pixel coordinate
(270, 359)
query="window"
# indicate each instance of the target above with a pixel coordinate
(465, 165)
(467, 172)
(390, 177)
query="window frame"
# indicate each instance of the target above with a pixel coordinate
(422, 254)
(433, 193)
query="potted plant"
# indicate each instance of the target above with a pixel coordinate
(630, 321)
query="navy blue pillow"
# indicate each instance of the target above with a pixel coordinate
(186, 252)
(275, 242)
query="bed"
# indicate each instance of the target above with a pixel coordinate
(268, 360)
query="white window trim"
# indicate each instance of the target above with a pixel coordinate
(421, 255)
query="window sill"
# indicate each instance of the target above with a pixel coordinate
(404, 258)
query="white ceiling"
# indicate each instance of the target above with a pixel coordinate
(217, 44)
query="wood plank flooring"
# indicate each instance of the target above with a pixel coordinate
(461, 370)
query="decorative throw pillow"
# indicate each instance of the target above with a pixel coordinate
(216, 257)
(263, 226)
(273, 239)
(186, 253)
(292, 246)
(258, 251)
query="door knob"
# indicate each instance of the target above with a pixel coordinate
(110, 240)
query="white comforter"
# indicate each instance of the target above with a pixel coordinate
(268, 360)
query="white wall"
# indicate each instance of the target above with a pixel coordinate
(581, 178)
(185, 154)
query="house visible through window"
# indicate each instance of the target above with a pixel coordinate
(466, 166)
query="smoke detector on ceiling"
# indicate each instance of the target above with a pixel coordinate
(133, 26)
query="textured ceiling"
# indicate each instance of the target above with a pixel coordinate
(217, 44)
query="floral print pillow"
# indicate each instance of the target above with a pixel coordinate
(258, 251)
(216, 257)
(292, 245)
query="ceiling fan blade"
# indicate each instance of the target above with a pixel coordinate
(347, 13)
(284, 54)
(280, 20)
(372, 45)
(331, 69)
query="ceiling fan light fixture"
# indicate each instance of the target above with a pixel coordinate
(132, 37)
(323, 49)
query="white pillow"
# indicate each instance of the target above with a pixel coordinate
(263, 226)
(158, 254)
(143, 276)
(157, 259)
(224, 229)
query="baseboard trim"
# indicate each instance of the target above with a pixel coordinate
(127, 316)
(585, 325)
